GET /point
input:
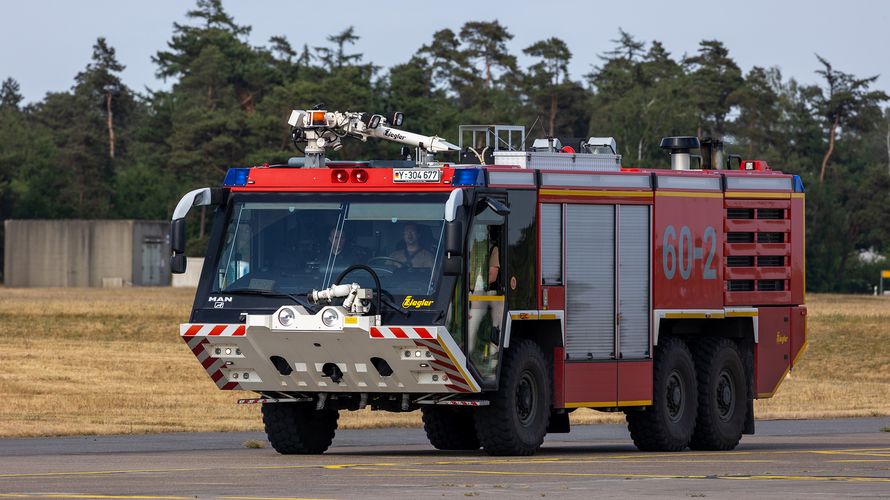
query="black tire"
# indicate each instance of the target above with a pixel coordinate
(450, 428)
(668, 424)
(722, 395)
(298, 428)
(516, 419)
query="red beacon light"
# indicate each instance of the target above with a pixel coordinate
(359, 175)
(339, 176)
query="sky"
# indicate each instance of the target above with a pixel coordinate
(45, 43)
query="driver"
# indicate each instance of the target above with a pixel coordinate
(344, 254)
(413, 254)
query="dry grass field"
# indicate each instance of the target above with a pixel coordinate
(88, 361)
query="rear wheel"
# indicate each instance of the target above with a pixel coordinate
(298, 428)
(668, 424)
(450, 428)
(722, 395)
(516, 419)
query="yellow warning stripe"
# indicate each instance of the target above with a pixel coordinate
(806, 343)
(764, 395)
(741, 314)
(587, 192)
(533, 315)
(486, 298)
(459, 368)
(798, 195)
(757, 194)
(608, 404)
(694, 315)
(689, 194)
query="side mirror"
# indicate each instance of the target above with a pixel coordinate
(454, 238)
(177, 263)
(177, 236)
(454, 248)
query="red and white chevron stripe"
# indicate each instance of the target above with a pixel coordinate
(200, 348)
(401, 332)
(211, 330)
(442, 362)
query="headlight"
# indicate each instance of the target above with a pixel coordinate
(329, 317)
(286, 316)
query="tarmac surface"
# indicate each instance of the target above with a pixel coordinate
(785, 459)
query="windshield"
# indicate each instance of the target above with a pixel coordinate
(297, 243)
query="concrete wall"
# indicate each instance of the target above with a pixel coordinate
(73, 253)
(192, 273)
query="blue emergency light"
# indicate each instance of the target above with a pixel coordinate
(236, 177)
(468, 177)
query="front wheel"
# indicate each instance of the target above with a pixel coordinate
(722, 395)
(450, 428)
(516, 419)
(667, 424)
(298, 428)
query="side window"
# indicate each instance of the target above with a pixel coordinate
(551, 244)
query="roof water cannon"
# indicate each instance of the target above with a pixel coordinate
(679, 147)
(321, 130)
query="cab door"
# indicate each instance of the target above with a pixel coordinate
(484, 282)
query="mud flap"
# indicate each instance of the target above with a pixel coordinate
(559, 422)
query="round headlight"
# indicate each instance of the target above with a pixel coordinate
(286, 316)
(329, 317)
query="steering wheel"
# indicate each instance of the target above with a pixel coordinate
(382, 263)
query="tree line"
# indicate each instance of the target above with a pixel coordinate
(105, 150)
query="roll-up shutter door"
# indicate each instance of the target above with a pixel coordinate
(633, 281)
(590, 281)
(551, 244)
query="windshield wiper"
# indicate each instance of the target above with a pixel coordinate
(388, 303)
(296, 297)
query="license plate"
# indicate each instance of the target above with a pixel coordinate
(417, 175)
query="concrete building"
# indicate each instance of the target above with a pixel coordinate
(86, 253)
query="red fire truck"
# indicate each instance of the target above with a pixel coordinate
(500, 293)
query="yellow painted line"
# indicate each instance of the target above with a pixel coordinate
(107, 472)
(587, 192)
(758, 194)
(83, 495)
(270, 498)
(799, 195)
(548, 316)
(554, 474)
(864, 479)
(688, 194)
(486, 298)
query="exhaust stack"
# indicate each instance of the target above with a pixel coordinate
(712, 154)
(679, 147)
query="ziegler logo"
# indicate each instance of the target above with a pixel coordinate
(393, 135)
(219, 302)
(781, 339)
(410, 302)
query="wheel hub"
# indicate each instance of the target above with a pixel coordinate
(526, 397)
(725, 396)
(674, 397)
